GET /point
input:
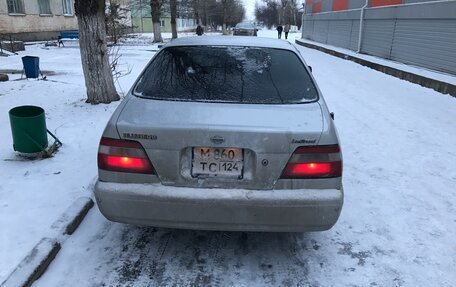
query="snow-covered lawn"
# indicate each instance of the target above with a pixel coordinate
(397, 226)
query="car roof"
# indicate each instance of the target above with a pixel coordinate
(242, 41)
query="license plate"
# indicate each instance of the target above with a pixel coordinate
(224, 162)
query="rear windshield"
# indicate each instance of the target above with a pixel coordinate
(227, 75)
(245, 26)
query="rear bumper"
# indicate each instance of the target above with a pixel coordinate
(220, 209)
(243, 33)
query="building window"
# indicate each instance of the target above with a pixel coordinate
(67, 7)
(15, 6)
(162, 23)
(45, 8)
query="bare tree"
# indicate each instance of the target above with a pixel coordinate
(235, 12)
(155, 6)
(173, 8)
(117, 22)
(94, 55)
(273, 12)
(224, 16)
(218, 12)
(196, 8)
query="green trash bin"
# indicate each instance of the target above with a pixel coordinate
(28, 126)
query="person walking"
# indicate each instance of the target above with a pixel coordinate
(59, 40)
(199, 30)
(279, 31)
(286, 29)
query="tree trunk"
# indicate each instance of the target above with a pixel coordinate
(94, 52)
(173, 8)
(204, 12)
(294, 16)
(155, 6)
(224, 4)
(196, 6)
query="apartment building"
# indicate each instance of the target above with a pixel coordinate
(35, 20)
(32, 20)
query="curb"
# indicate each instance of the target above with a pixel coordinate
(74, 224)
(40, 257)
(439, 86)
(34, 264)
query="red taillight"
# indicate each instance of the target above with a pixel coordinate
(314, 162)
(123, 156)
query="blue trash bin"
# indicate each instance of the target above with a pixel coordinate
(31, 66)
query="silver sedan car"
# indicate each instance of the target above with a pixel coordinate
(222, 133)
(245, 29)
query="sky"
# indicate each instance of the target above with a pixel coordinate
(249, 9)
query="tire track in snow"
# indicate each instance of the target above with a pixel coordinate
(141, 257)
(162, 257)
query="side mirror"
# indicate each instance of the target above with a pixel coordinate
(256, 30)
(332, 115)
(310, 68)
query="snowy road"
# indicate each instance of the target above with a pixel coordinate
(397, 226)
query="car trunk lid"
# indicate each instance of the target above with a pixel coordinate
(267, 134)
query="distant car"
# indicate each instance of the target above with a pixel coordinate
(245, 29)
(222, 133)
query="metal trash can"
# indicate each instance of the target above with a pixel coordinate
(31, 66)
(28, 126)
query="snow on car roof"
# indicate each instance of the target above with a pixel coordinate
(231, 41)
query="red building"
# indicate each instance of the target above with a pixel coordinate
(319, 6)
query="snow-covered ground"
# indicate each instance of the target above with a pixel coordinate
(397, 226)
(33, 194)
